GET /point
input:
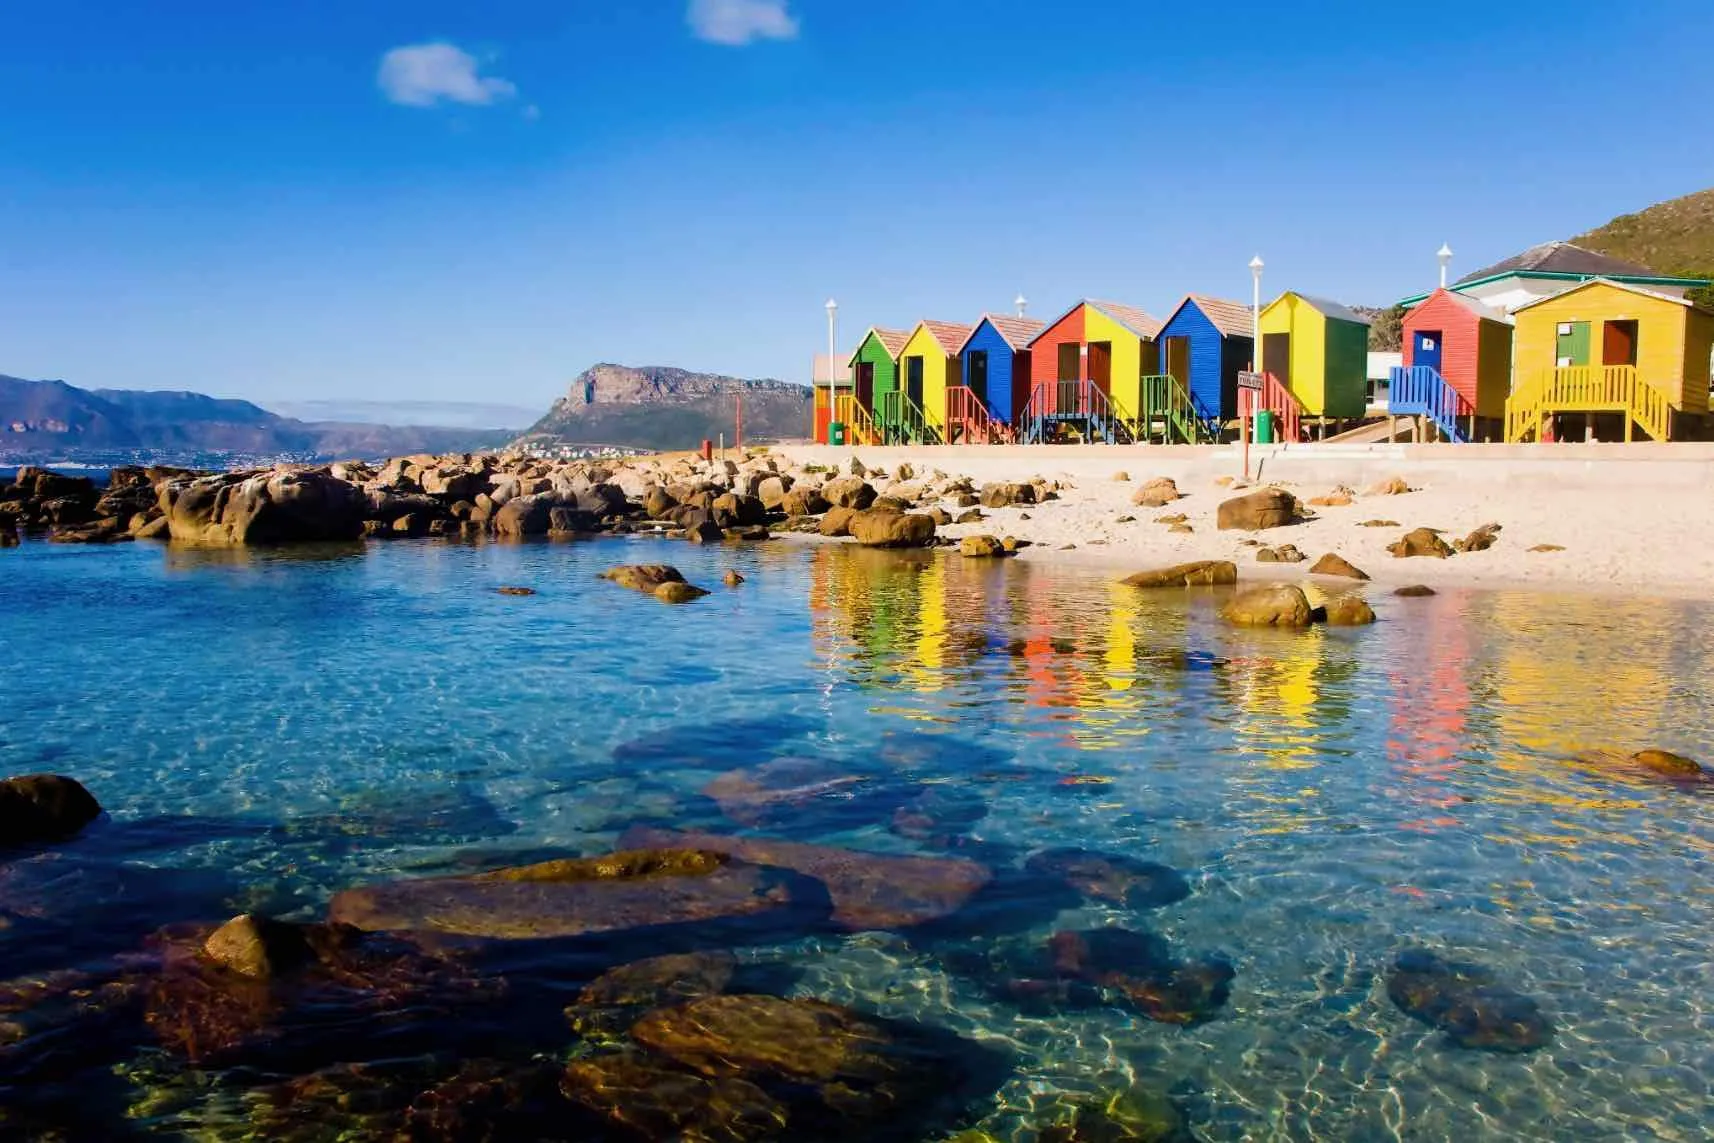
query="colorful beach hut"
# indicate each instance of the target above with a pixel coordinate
(1205, 343)
(874, 372)
(928, 365)
(1611, 352)
(1457, 366)
(1086, 371)
(996, 365)
(1315, 354)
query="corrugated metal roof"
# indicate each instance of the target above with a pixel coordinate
(1561, 258)
(1625, 286)
(950, 334)
(1138, 321)
(1231, 318)
(1333, 309)
(1016, 332)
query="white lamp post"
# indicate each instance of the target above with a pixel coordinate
(1445, 256)
(1022, 303)
(832, 342)
(1256, 265)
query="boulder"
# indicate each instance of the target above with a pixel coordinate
(1466, 1003)
(515, 591)
(848, 492)
(734, 511)
(700, 528)
(980, 547)
(1421, 542)
(1332, 564)
(1275, 605)
(1004, 495)
(278, 507)
(771, 491)
(37, 808)
(879, 529)
(1196, 574)
(1118, 878)
(643, 577)
(453, 483)
(731, 578)
(9, 533)
(802, 501)
(1264, 508)
(941, 517)
(602, 500)
(1157, 493)
(524, 516)
(1480, 540)
(1345, 611)
(678, 592)
(657, 502)
(571, 521)
(973, 516)
(868, 890)
(1415, 591)
(1392, 486)
(1283, 554)
(837, 522)
(158, 528)
(1666, 763)
(1338, 498)
(258, 947)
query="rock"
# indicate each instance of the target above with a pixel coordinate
(731, 578)
(572, 522)
(940, 516)
(524, 516)
(1095, 966)
(641, 1098)
(1179, 528)
(158, 528)
(612, 1002)
(1345, 611)
(940, 815)
(868, 890)
(1121, 476)
(703, 530)
(1547, 548)
(1134, 1116)
(509, 590)
(804, 502)
(9, 534)
(1379, 524)
(1004, 495)
(1264, 508)
(678, 592)
(277, 507)
(1283, 554)
(643, 577)
(980, 547)
(1480, 540)
(258, 947)
(1338, 498)
(1199, 573)
(572, 897)
(37, 808)
(1276, 605)
(1392, 486)
(889, 504)
(783, 790)
(1013, 544)
(771, 491)
(453, 483)
(1157, 493)
(1415, 591)
(1421, 542)
(973, 516)
(1667, 763)
(1112, 877)
(848, 492)
(966, 500)
(877, 529)
(732, 511)
(856, 468)
(657, 502)
(1173, 518)
(837, 521)
(1332, 564)
(1463, 1001)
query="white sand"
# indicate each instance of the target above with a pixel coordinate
(1630, 518)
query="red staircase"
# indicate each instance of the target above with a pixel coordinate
(967, 418)
(1286, 408)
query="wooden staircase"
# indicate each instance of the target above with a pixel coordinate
(1075, 406)
(1283, 403)
(1587, 389)
(1170, 406)
(860, 427)
(1420, 391)
(968, 420)
(902, 421)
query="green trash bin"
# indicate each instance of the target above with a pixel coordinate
(1265, 426)
(836, 433)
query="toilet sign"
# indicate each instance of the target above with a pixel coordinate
(1248, 380)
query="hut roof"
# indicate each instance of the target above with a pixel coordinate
(1016, 332)
(892, 340)
(1625, 286)
(1232, 319)
(1333, 309)
(1480, 308)
(949, 335)
(1137, 321)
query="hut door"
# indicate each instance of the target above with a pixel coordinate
(1426, 348)
(978, 373)
(1276, 356)
(1070, 362)
(1619, 343)
(866, 384)
(1572, 348)
(1101, 365)
(913, 379)
(1178, 359)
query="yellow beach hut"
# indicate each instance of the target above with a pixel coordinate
(1616, 356)
(1316, 355)
(928, 365)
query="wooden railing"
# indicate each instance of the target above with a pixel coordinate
(1285, 406)
(1079, 404)
(968, 420)
(1167, 401)
(1420, 391)
(901, 420)
(1588, 389)
(859, 425)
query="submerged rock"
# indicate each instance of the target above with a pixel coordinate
(675, 592)
(1138, 1115)
(608, 1005)
(940, 814)
(868, 890)
(1102, 967)
(1276, 605)
(643, 577)
(37, 808)
(645, 1098)
(980, 547)
(1667, 763)
(520, 591)
(1186, 575)
(258, 947)
(1463, 1001)
(780, 790)
(1345, 611)
(1112, 877)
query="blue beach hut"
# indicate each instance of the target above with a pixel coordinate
(1205, 344)
(996, 362)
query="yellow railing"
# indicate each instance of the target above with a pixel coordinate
(1588, 389)
(859, 425)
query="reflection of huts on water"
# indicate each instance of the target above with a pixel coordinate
(1429, 717)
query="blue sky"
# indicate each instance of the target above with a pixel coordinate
(456, 201)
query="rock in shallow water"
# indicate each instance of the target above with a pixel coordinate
(1112, 877)
(1101, 967)
(643, 577)
(1277, 605)
(1187, 575)
(1463, 1001)
(37, 808)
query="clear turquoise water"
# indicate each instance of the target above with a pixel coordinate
(267, 729)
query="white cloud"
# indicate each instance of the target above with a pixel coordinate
(739, 22)
(422, 75)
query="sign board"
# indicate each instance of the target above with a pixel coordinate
(1249, 380)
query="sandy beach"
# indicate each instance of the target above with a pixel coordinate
(1630, 518)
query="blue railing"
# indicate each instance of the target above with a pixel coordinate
(1420, 391)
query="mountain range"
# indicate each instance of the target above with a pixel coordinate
(661, 407)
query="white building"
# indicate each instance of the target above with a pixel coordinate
(1550, 268)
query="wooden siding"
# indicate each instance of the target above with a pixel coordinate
(1125, 376)
(1044, 350)
(1475, 351)
(1329, 356)
(938, 371)
(1672, 338)
(1003, 396)
(1493, 369)
(1215, 359)
(872, 352)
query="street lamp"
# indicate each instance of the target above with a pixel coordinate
(1256, 265)
(1022, 303)
(1445, 256)
(832, 341)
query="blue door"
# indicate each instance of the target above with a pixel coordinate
(1425, 349)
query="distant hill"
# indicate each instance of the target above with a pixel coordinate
(1675, 238)
(444, 414)
(661, 407)
(53, 418)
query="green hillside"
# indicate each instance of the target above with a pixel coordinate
(1675, 237)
